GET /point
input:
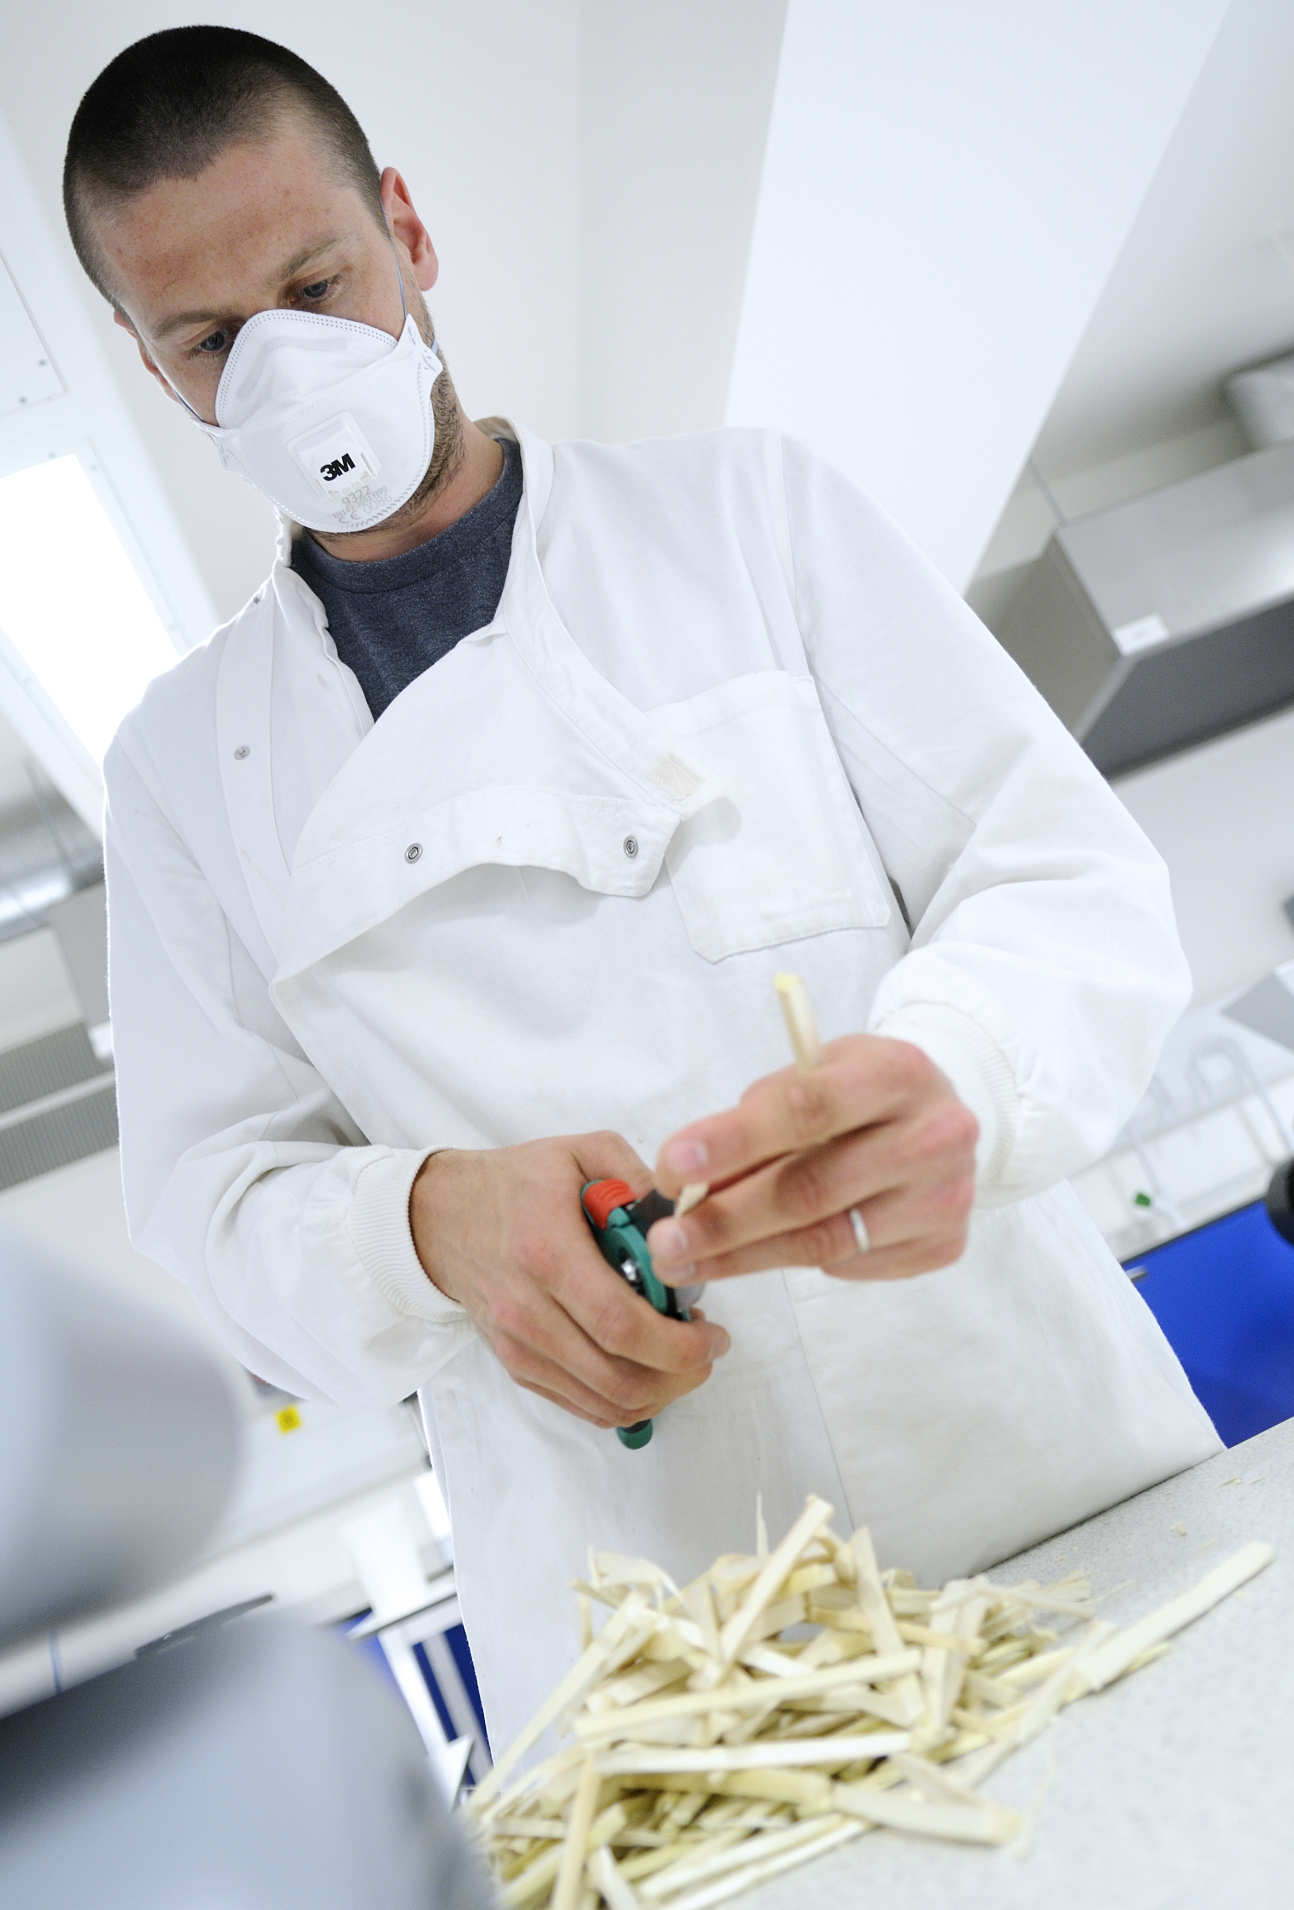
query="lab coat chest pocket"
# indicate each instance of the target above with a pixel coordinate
(782, 853)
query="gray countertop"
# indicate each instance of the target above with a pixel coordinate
(1173, 1790)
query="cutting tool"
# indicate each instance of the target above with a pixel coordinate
(620, 1225)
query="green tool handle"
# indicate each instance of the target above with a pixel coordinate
(623, 1238)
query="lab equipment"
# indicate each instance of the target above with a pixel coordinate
(258, 1762)
(1280, 1201)
(118, 1445)
(1224, 1296)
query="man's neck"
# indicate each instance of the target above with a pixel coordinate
(477, 471)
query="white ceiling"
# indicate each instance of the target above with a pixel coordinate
(1205, 282)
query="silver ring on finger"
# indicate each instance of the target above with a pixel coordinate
(862, 1239)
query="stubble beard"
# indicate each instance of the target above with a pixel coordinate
(450, 446)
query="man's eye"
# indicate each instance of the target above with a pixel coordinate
(212, 344)
(318, 290)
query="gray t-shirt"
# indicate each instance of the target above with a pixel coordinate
(394, 618)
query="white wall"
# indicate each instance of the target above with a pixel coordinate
(674, 104)
(76, 1213)
(1220, 817)
(474, 100)
(36, 993)
(945, 191)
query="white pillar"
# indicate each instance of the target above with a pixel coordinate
(674, 102)
(945, 190)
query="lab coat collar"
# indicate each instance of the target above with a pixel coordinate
(537, 471)
(621, 732)
(634, 745)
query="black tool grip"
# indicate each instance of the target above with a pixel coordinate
(652, 1207)
(1280, 1201)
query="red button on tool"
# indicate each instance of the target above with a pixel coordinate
(603, 1196)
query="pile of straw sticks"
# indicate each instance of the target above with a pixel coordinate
(785, 1703)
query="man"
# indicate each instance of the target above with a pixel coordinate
(490, 819)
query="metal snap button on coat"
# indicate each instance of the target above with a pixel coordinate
(630, 846)
(244, 749)
(412, 853)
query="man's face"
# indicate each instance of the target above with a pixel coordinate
(271, 223)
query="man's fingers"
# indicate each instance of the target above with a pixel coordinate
(795, 1193)
(542, 1375)
(802, 1194)
(557, 1355)
(630, 1387)
(862, 1080)
(908, 1234)
(567, 1405)
(622, 1324)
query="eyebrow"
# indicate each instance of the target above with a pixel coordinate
(179, 320)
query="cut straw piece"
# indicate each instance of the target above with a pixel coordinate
(933, 1781)
(959, 1609)
(691, 1196)
(618, 1640)
(632, 1687)
(619, 1568)
(797, 1012)
(767, 1754)
(981, 1823)
(617, 1892)
(695, 1870)
(806, 1790)
(1035, 1598)
(523, 1828)
(536, 1880)
(575, 1850)
(1117, 1653)
(830, 1682)
(777, 1567)
(1028, 1671)
(741, 1880)
(1037, 1713)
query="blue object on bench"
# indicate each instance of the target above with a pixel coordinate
(1224, 1296)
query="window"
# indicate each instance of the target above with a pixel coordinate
(98, 590)
(74, 612)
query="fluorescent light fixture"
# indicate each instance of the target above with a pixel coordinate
(72, 604)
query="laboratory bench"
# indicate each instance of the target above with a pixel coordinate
(1171, 1790)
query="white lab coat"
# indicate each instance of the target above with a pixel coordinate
(725, 721)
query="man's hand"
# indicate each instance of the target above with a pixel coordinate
(502, 1232)
(874, 1127)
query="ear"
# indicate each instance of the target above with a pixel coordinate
(119, 318)
(409, 230)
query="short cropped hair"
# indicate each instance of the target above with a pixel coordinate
(171, 103)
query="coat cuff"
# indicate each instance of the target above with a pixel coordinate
(978, 1070)
(383, 1238)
